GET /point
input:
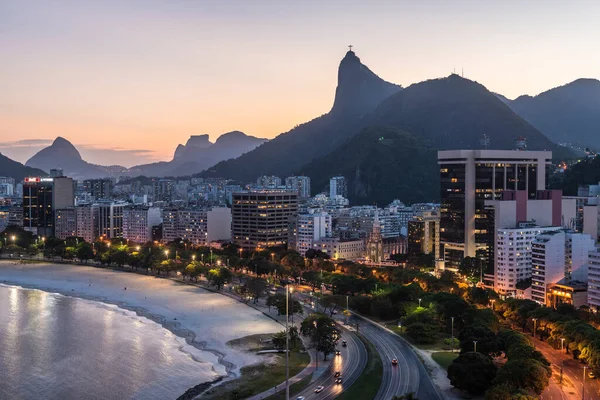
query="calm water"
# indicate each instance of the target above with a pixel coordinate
(57, 347)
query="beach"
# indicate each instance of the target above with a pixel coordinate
(206, 320)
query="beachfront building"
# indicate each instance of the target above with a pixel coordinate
(138, 222)
(198, 226)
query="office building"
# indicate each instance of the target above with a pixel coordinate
(41, 197)
(198, 226)
(110, 219)
(138, 222)
(300, 184)
(65, 223)
(262, 219)
(338, 187)
(163, 189)
(424, 234)
(15, 215)
(470, 177)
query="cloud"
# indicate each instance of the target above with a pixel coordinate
(26, 143)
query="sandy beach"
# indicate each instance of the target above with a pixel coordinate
(205, 319)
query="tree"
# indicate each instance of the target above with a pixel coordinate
(487, 341)
(256, 287)
(219, 277)
(331, 303)
(524, 374)
(85, 252)
(471, 268)
(323, 332)
(278, 340)
(120, 257)
(422, 332)
(472, 372)
(314, 278)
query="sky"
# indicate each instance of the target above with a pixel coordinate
(126, 81)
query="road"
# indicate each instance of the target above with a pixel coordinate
(350, 363)
(572, 371)
(408, 376)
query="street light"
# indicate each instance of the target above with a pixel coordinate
(534, 326)
(193, 257)
(475, 346)
(137, 248)
(562, 344)
(13, 238)
(583, 384)
(287, 339)
(272, 257)
(452, 334)
(167, 253)
(419, 303)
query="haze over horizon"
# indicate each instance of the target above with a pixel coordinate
(129, 96)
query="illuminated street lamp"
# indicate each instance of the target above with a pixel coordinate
(272, 257)
(475, 346)
(193, 257)
(167, 253)
(137, 248)
(13, 238)
(562, 344)
(419, 303)
(534, 326)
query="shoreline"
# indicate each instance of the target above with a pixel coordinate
(221, 355)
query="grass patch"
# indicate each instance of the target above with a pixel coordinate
(438, 345)
(367, 385)
(444, 358)
(258, 378)
(295, 388)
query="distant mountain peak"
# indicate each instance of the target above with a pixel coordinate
(359, 89)
(201, 141)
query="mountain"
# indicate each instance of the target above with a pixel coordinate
(455, 113)
(380, 164)
(566, 114)
(199, 153)
(358, 92)
(16, 170)
(62, 154)
(584, 172)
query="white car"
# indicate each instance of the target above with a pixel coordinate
(319, 389)
(300, 398)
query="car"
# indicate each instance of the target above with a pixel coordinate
(319, 389)
(591, 375)
(394, 361)
(344, 344)
(335, 311)
(300, 398)
(338, 380)
(337, 374)
(337, 352)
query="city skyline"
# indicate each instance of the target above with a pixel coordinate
(129, 96)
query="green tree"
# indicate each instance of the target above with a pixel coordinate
(256, 287)
(487, 341)
(422, 332)
(120, 257)
(323, 332)
(219, 277)
(85, 252)
(471, 268)
(472, 372)
(278, 340)
(524, 374)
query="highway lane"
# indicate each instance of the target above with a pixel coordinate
(350, 363)
(408, 376)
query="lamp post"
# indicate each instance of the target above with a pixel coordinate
(419, 303)
(583, 384)
(193, 257)
(167, 254)
(211, 258)
(347, 311)
(475, 346)
(452, 334)
(272, 257)
(534, 326)
(316, 346)
(562, 344)
(287, 339)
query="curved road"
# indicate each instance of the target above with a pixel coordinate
(350, 363)
(408, 376)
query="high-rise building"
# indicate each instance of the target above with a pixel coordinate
(56, 172)
(199, 226)
(424, 234)
(164, 189)
(98, 188)
(558, 255)
(593, 283)
(513, 256)
(310, 228)
(15, 215)
(86, 216)
(338, 187)
(268, 182)
(65, 223)
(41, 197)
(138, 222)
(300, 184)
(263, 218)
(470, 177)
(110, 219)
